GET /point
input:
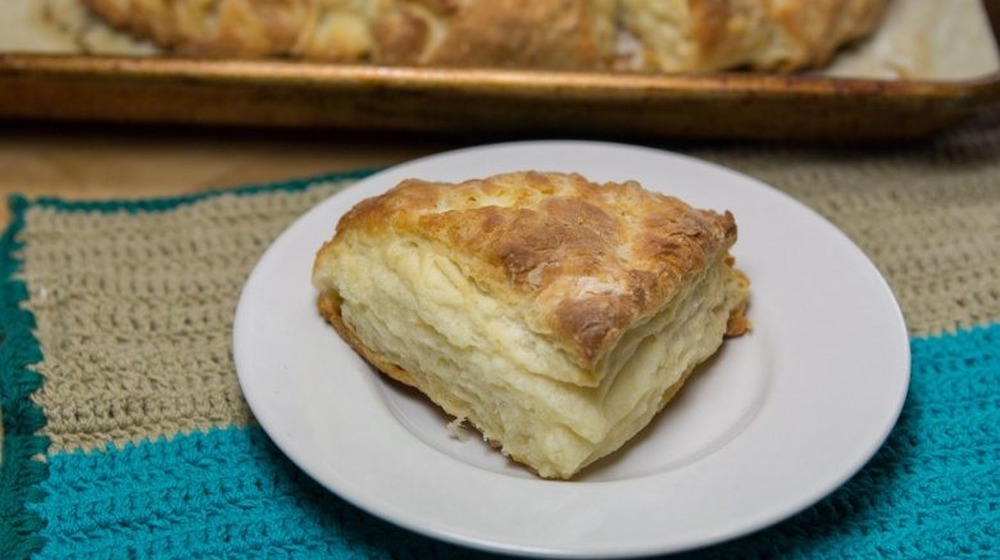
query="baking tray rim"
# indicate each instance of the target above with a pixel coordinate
(501, 82)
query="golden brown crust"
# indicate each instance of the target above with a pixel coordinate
(739, 323)
(516, 33)
(675, 35)
(590, 258)
(499, 33)
(773, 35)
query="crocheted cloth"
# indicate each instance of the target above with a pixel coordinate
(126, 434)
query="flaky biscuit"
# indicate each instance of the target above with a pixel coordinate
(496, 33)
(556, 315)
(626, 35)
(774, 35)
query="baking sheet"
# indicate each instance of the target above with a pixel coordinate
(931, 65)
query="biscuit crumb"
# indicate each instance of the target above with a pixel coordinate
(458, 430)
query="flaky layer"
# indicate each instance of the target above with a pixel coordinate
(409, 311)
(573, 262)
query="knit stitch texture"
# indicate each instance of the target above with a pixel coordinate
(126, 435)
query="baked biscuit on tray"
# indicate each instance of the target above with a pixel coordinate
(555, 315)
(621, 35)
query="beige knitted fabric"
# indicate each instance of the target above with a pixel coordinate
(927, 215)
(134, 310)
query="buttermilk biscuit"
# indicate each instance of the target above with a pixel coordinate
(556, 315)
(570, 34)
(773, 35)
(626, 35)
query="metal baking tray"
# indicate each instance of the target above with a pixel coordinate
(157, 88)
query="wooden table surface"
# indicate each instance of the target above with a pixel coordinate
(102, 161)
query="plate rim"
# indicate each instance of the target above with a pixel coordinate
(369, 184)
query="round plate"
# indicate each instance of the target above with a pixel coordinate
(777, 420)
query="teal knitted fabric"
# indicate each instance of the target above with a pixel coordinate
(20, 472)
(933, 491)
(222, 493)
(162, 459)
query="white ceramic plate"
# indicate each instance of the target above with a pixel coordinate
(782, 417)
